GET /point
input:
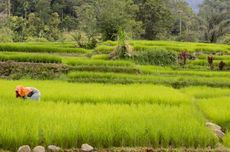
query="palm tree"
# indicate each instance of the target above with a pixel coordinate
(215, 19)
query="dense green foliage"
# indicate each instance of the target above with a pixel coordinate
(215, 19)
(43, 20)
(15, 70)
(156, 56)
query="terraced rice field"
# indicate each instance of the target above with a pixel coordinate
(113, 103)
(103, 115)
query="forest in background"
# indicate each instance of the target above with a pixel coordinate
(91, 21)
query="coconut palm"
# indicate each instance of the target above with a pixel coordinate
(215, 19)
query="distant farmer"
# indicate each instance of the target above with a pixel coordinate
(28, 92)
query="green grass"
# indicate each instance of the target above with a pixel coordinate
(123, 115)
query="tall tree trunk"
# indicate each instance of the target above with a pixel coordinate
(213, 38)
(9, 8)
(25, 14)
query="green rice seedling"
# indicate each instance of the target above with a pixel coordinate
(100, 57)
(98, 65)
(122, 115)
(100, 93)
(142, 48)
(143, 45)
(103, 68)
(109, 43)
(217, 110)
(222, 57)
(104, 49)
(26, 47)
(148, 69)
(177, 81)
(29, 57)
(206, 92)
(168, 71)
(205, 62)
(53, 44)
(227, 139)
(101, 125)
(75, 62)
(180, 46)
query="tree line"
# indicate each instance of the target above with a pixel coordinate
(93, 20)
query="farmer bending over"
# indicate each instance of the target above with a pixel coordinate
(27, 92)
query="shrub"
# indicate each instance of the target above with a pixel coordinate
(6, 35)
(36, 39)
(158, 56)
(14, 70)
(83, 41)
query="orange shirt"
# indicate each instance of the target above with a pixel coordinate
(23, 91)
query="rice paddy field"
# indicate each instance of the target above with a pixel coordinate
(104, 115)
(113, 103)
